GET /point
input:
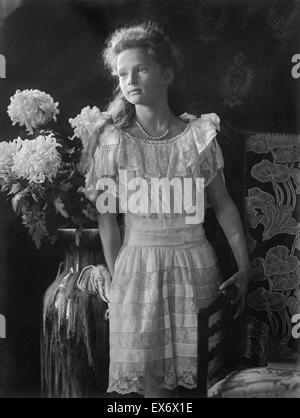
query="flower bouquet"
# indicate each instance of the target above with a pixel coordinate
(40, 169)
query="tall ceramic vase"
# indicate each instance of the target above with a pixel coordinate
(74, 340)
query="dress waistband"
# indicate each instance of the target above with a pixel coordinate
(170, 237)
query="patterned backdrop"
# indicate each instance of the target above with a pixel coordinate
(236, 57)
(273, 225)
(262, 174)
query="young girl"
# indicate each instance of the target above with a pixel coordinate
(165, 270)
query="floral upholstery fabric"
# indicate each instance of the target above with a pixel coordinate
(272, 220)
(258, 383)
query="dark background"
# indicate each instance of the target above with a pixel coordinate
(237, 58)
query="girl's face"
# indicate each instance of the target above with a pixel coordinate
(141, 78)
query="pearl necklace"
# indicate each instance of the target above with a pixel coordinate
(153, 137)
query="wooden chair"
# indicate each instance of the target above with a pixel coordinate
(214, 335)
(218, 374)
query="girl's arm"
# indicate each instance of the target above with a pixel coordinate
(110, 237)
(228, 217)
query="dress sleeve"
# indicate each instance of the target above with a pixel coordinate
(102, 162)
(213, 162)
(211, 157)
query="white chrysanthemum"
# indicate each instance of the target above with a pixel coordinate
(37, 159)
(83, 123)
(32, 108)
(7, 153)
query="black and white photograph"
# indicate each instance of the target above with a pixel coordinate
(149, 201)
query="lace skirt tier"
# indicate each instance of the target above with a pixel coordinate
(163, 276)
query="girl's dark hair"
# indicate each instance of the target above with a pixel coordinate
(148, 35)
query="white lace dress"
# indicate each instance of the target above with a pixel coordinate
(166, 269)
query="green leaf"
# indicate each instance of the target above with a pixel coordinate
(60, 207)
(17, 200)
(15, 188)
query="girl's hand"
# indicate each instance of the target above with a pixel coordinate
(240, 281)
